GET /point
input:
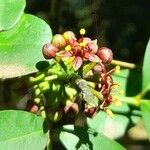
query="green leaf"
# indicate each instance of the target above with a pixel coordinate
(145, 108)
(83, 138)
(128, 85)
(20, 47)
(123, 108)
(110, 127)
(10, 13)
(146, 68)
(21, 131)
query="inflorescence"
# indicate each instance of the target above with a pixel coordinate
(77, 78)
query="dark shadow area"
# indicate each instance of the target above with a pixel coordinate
(83, 134)
(134, 83)
(42, 65)
(121, 25)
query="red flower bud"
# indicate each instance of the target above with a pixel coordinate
(105, 54)
(89, 112)
(49, 51)
(97, 69)
(59, 41)
(34, 109)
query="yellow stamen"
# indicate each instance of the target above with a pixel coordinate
(117, 103)
(82, 31)
(119, 84)
(82, 44)
(115, 97)
(116, 86)
(109, 112)
(117, 69)
(121, 92)
(68, 48)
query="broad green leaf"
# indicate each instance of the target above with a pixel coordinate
(10, 13)
(145, 108)
(111, 127)
(128, 85)
(20, 47)
(121, 79)
(123, 108)
(146, 68)
(81, 138)
(21, 131)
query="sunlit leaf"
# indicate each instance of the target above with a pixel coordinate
(20, 47)
(10, 13)
(146, 68)
(145, 108)
(83, 138)
(111, 127)
(21, 131)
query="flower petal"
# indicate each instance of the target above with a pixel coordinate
(77, 62)
(94, 58)
(93, 46)
(64, 54)
(86, 55)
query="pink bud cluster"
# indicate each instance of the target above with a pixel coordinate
(82, 50)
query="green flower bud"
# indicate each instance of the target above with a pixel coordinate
(55, 116)
(70, 92)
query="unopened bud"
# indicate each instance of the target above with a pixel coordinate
(89, 111)
(43, 114)
(97, 69)
(34, 109)
(71, 110)
(59, 41)
(105, 54)
(55, 115)
(49, 51)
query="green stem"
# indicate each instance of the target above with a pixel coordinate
(124, 64)
(131, 101)
(134, 101)
(132, 113)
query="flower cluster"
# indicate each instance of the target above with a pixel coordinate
(67, 45)
(77, 78)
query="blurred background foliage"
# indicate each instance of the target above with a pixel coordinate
(122, 25)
